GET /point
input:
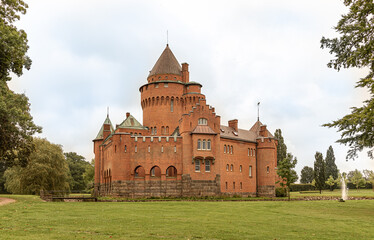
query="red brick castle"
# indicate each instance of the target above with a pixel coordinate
(181, 149)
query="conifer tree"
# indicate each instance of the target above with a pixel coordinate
(281, 147)
(331, 168)
(319, 171)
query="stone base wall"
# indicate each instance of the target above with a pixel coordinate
(266, 191)
(185, 187)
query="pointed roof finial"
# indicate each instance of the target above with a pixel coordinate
(107, 111)
(167, 38)
(258, 111)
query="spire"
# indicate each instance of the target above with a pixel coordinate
(100, 135)
(166, 64)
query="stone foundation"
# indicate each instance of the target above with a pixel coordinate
(186, 187)
(266, 191)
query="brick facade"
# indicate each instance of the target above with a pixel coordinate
(181, 149)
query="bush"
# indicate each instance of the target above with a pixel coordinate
(301, 187)
(280, 192)
(368, 185)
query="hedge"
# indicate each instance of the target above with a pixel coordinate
(301, 187)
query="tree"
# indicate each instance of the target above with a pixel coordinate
(331, 182)
(77, 166)
(281, 147)
(331, 168)
(356, 178)
(16, 125)
(286, 172)
(369, 176)
(319, 171)
(46, 170)
(354, 48)
(89, 175)
(307, 175)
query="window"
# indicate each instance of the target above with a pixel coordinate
(162, 149)
(156, 85)
(254, 152)
(241, 186)
(267, 169)
(204, 144)
(232, 149)
(199, 144)
(207, 166)
(152, 132)
(226, 185)
(208, 145)
(227, 167)
(125, 148)
(175, 149)
(202, 121)
(115, 148)
(155, 130)
(224, 149)
(232, 168)
(171, 105)
(248, 151)
(162, 130)
(233, 185)
(149, 148)
(167, 130)
(153, 172)
(250, 171)
(197, 165)
(136, 148)
(240, 168)
(166, 84)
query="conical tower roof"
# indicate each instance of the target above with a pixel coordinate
(166, 64)
(101, 132)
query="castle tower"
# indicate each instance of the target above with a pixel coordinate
(168, 94)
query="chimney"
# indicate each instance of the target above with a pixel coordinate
(234, 124)
(127, 114)
(185, 73)
(106, 131)
(263, 131)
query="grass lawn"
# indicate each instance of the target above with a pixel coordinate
(30, 218)
(337, 193)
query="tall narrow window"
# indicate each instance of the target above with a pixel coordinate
(267, 169)
(199, 144)
(162, 149)
(167, 130)
(224, 149)
(202, 121)
(207, 166)
(171, 105)
(240, 168)
(232, 168)
(197, 165)
(250, 171)
(175, 149)
(155, 130)
(204, 144)
(208, 145)
(227, 167)
(254, 152)
(125, 148)
(248, 151)
(241, 186)
(136, 148)
(149, 148)
(153, 172)
(226, 185)
(233, 185)
(152, 132)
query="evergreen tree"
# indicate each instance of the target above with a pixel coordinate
(281, 147)
(319, 171)
(306, 175)
(331, 168)
(354, 48)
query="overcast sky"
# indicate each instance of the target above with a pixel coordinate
(88, 55)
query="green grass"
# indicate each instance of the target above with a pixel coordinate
(30, 218)
(336, 193)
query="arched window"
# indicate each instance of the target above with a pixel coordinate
(267, 169)
(155, 171)
(171, 105)
(232, 168)
(248, 151)
(139, 172)
(202, 121)
(155, 130)
(171, 171)
(250, 171)
(167, 130)
(232, 149)
(125, 148)
(208, 145)
(227, 167)
(199, 144)
(204, 144)
(224, 149)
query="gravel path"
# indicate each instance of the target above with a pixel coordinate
(4, 201)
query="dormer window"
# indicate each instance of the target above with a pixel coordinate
(222, 130)
(235, 133)
(203, 121)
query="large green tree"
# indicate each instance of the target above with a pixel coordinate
(281, 147)
(306, 175)
(286, 172)
(16, 124)
(355, 48)
(77, 166)
(47, 170)
(319, 171)
(356, 178)
(331, 168)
